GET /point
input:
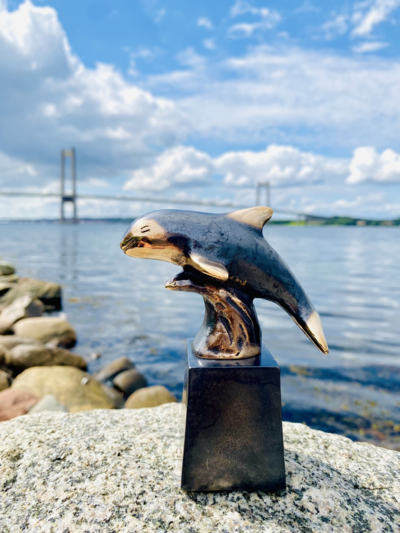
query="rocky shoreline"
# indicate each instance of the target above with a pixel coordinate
(38, 372)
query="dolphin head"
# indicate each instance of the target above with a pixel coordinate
(148, 237)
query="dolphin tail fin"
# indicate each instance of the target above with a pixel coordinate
(253, 216)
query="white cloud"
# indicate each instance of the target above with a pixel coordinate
(368, 165)
(289, 96)
(337, 25)
(369, 47)
(377, 12)
(269, 18)
(12, 169)
(280, 165)
(209, 44)
(177, 167)
(247, 29)
(362, 19)
(205, 23)
(50, 100)
(243, 8)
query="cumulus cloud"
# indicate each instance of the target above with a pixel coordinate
(50, 100)
(177, 167)
(368, 165)
(280, 165)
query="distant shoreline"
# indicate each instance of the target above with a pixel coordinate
(333, 221)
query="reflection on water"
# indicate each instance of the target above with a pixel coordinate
(119, 307)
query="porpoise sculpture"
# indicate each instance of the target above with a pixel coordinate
(227, 260)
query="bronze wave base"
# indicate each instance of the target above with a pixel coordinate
(230, 328)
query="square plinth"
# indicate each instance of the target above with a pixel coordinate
(232, 424)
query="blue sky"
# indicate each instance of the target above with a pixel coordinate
(202, 100)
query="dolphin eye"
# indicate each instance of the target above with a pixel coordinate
(145, 229)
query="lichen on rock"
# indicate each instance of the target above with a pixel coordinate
(119, 471)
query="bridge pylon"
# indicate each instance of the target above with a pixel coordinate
(64, 197)
(263, 185)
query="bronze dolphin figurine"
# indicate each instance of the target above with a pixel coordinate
(230, 248)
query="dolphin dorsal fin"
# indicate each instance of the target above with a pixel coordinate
(253, 216)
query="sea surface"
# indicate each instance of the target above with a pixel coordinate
(119, 306)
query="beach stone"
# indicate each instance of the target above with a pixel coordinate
(23, 307)
(15, 403)
(9, 341)
(109, 372)
(47, 329)
(4, 287)
(48, 403)
(119, 471)
(46, 291)
(26, 356)
(12, 278)
(6, 268)
(4, 380)
(3, 352)
(149, 397)
(129, 381)
(70, 386)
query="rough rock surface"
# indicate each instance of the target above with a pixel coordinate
(23, 307)
(26, 356)
(47, 329)
(71, 387)
(119, 471)
(150, 397)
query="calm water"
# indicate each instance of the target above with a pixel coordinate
(119, 306)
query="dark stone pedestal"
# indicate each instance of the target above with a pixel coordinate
(232, 424)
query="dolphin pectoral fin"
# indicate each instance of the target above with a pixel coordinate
(211, 268)
(253, 216)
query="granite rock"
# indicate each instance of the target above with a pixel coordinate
(26, 356)
(46, 291)
(56, 331)
(23, 307)
(119, 471)
(70, 386)
(150, 397)
(109, 372)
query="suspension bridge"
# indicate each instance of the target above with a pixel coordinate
(73, 197)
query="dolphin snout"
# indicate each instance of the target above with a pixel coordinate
(129, 242)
